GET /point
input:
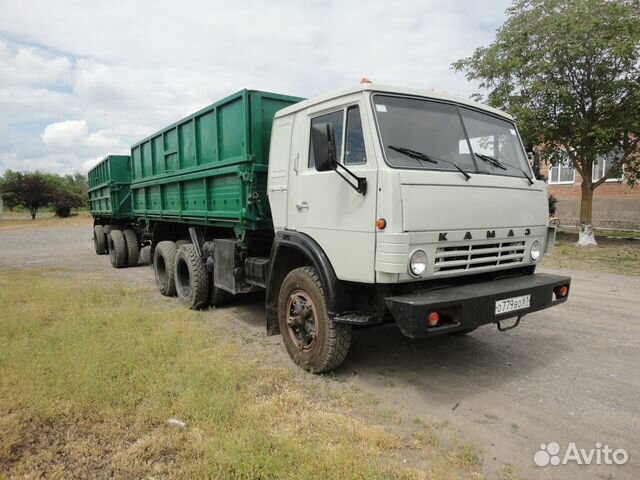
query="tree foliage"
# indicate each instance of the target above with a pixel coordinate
(35, 190)
(569, 71)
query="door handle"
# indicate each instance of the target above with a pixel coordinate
(302, 206)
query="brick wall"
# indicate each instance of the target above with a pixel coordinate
(615, 205)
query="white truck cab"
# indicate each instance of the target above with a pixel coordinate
(409, 206)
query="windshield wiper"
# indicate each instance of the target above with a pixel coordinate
(427, 158)
(414, 154)
(489, 159)
(503, 166)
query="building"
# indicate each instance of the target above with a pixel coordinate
(615, 203)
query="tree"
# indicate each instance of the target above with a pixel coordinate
(68, 191)
(569, 71)
(30, 190)
(63, 201)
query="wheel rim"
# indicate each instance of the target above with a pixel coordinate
(183, 278)
(301, 320)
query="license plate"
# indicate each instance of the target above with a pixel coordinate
(511, 304)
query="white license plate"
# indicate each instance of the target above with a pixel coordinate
(511, 304)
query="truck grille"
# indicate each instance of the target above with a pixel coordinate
(469, 257)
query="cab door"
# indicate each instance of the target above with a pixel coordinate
(322, 204)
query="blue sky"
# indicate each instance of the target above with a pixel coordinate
(80, 79)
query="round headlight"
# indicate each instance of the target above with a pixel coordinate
(418, 263)
(536, 250)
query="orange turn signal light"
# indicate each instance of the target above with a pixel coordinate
(433, 319)
(381, 223)
(561, 292)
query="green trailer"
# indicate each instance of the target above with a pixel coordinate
(109, 189)
(111, 207)
(210, 168)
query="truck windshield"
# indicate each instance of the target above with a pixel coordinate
(456, 134)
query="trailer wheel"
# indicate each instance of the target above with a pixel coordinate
(164, 259)
(133, 247)
(192, 278)
(313, 340)
(179, 243)
(107, 229)
(117, 249)
(99, 240)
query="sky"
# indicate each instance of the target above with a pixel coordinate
(80, 79)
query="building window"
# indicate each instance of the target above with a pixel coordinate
(562, 173)
(602, 167)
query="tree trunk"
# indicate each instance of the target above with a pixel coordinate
(33, 212)
(586, 237)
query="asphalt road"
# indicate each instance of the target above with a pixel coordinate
(568, 374)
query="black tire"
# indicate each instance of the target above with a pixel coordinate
(133, 247)
(99, 240)
(179, 243)
(164, 259)
(192, 278)
(107, 229)
(312, 339)
(117, 249)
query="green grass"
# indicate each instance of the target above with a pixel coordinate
(613, 255)
(89, 375)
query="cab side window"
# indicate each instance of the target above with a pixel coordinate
(354, 146)
(337, 119)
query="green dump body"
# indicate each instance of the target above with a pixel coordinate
(109, 188)
(210, 168)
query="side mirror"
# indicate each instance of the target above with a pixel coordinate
(323, 138)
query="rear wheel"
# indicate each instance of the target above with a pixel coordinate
(117, 249)
(192, 278)
(99, 240)
(312, 339)
(164, 259)
(133, 247)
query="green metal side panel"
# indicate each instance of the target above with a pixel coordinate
(210, 167)
(109, 188)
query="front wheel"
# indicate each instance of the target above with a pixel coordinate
(117, 249)
(99, 240)
(313, 340)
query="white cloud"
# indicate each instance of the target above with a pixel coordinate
(89, 164)
(65, 134)
(30, 66)
(129, 77)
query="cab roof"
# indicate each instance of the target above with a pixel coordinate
(374, 87)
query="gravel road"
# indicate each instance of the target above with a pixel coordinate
(569, 374)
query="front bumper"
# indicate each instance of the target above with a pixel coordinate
(469, 306)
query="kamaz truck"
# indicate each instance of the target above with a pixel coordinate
(365, 206)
